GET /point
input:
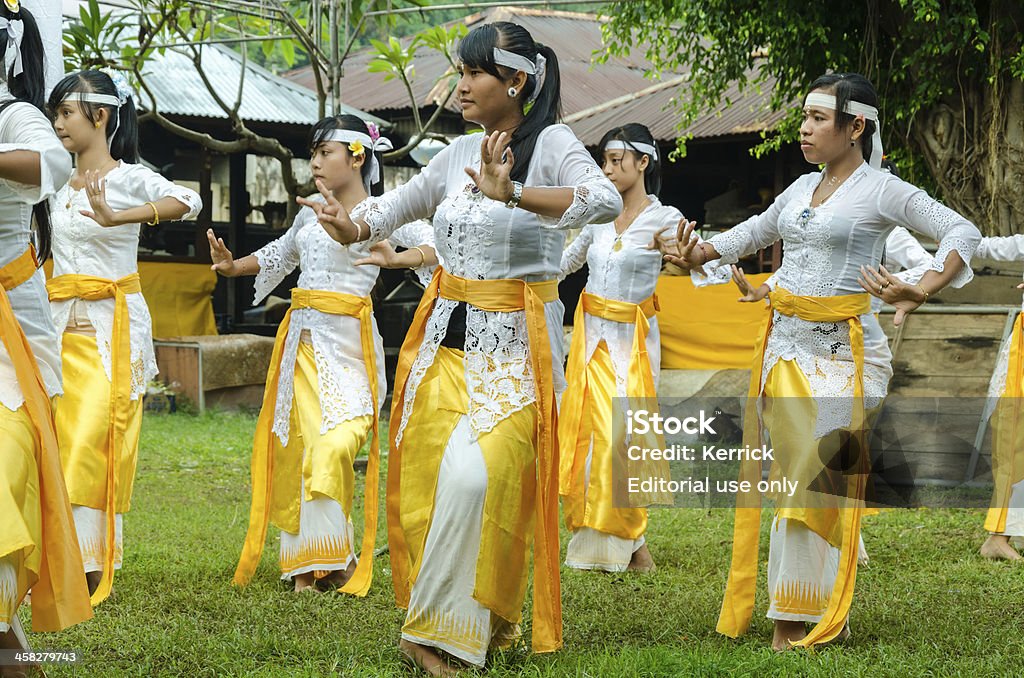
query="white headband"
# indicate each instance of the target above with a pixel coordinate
(94, 98)
(15, 32)
(375, 145)
(520, 63)
(103, 99)
(854, 108)
(618, 145)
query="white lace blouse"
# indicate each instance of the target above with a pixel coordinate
(824, 248)
(81, 246)
(337, 345)
(24, 128)
(1010, 248)
(629, 273)
(904, 257)
(481, 239)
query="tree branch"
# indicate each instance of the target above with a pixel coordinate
(424, 129)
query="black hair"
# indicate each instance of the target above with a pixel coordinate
(350, 123)
(847, 87)
(29, 86)
(632, 133)
(476, 50)
(125, 143)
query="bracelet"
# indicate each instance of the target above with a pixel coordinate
(359, 231)
(924, 292)
(517, 195)
(423, 258)
(156, 215)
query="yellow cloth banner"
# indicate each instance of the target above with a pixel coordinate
(505, 295)
(262, 468)
(178, 297)
(706, 328)
(59, 595)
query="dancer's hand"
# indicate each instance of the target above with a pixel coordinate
(893, 291)
(687, 255)
(749, 293)
(496, 162)
(382, 255)
(333, 216)
(223, 262)
(96, 191)
(665, 242)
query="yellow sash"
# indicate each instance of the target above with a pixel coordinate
(639, 384)
(1006, 450)
(59, 598)
(505, 295)
(738, 603)
(90, 288)
(335, 303)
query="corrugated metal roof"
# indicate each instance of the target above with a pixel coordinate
(573, 36)
(179, 90)
(655, 107)
(595, 97)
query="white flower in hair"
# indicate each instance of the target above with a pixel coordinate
(121, 84)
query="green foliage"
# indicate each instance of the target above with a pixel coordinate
(88, 42)
(394, 60)
(916, 52)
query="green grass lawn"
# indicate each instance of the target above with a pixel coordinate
(927, 604)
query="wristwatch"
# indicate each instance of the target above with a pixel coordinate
(517, 195)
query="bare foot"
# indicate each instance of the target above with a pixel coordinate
(862, 554)
(642, 561)
(337, 578)
(997, 547)
(786, 633)
(426, 658)
(304, 582)
(10, 641)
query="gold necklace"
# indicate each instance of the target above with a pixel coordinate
(629, 222)
(834, 183)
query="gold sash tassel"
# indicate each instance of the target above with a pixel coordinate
(334, 303)
(738, 603)
(59, 597)
(91, 288)
(503, 295)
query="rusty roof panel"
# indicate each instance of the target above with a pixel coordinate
(590, 92)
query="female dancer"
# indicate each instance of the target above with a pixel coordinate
(615, 352)
(326, 382)
(97, 305)
(824, 344)
(472, 468)
(37, 536)
(1005, 519)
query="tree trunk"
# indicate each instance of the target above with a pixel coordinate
(973, 141)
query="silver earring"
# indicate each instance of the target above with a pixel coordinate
(512, 92)
(852, 143)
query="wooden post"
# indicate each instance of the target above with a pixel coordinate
(238, 212)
